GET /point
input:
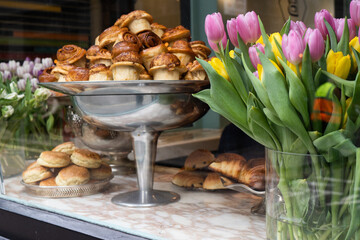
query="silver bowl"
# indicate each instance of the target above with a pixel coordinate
(145, 108)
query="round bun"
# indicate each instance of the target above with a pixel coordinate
(77, 74)
(70, 54)
(36, 174)
(86, 158)
(72, 175)
(66, 147)
(48, 182)
(53, 159)
(103, 172)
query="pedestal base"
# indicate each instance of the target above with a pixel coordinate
(145, 199)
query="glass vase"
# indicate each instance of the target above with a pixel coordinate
(309, 197)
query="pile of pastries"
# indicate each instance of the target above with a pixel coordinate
(66, 165)
(203, 170)
(134, 48)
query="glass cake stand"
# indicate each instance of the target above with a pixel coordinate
(145, 108)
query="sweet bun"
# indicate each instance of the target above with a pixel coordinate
(50, 182)
(137, 21)
(215, 181)
(190, 179)
(195, 71)
(53, 159)
(72, 175)
(77, 74)
(46, 75)
(66, 147)
(199, 159)
(97, 55)
(166, 66)
(103, 172)
(158, 29)
(36, 174)
(61, 71)
(200, 49)
(173, 34)
(71, 54)
(86, 158)
(183, 51)
(100, 72)
(108, 37)
(33, 165)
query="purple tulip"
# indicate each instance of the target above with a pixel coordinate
(20, 71)
(339, 28)
(21, 84)
(256, 74)
(47, 62)
(316, 43)
(27, 76)
(320, 23)
(7, 75)
(37, 60)
(34, 84)
(254, 55)
(27, 59)
(355, 11)
(12, 66)
(214, 27)
(4, 67)
(232, 31)
(214, 46)
(37, 68)
(248, 27)
(293, 47)
(298, 26)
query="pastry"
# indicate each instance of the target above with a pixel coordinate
(71, 54)
(166, 66)
(86, 158)
(72, 175)
(173, 34)
(61, 71)
(253, 162)
(190, 179)
(158, 29)
(149, 39)
(46, 75)
(148, 54)
(97, 55)
(33, 164)
(195, 71)
(137, 21)
(127, 63)
(66, 147)
(144, 75)
(50, 182)
(100, 72)
(126, 36)
(77, 74)
(53, 159)
(101, 173)
(199, 159)
(254, 177)
(215, 181)
(229, 164)
(36, 174)
(200, 49)
(108, 37)
(183, 51)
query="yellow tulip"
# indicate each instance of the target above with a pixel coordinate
(261, 69)
(356, 45)
(232, 54)
(260, 40)
(219, 67)
(338, 64)
(275, 49)
(293, 67)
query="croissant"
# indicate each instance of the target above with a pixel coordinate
(183, 51)
(229, 164)
(100, 72)
(77, 74)
(158, 29)
(149, 54)
(108, 37)
(149, 39)
(216, 181)
(137, 21)
(254, 177)
(97, 55)
(200, 49)
(71, 54)
(198, 159)
(166, 66)
(173, 34)
(195, 71)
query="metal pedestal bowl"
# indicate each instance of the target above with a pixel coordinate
(144, 108)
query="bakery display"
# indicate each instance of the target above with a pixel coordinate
(218, 173)
(152, 40)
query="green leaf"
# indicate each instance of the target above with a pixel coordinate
(357, 57)
(324, 143)
(344, 41)
(268, 48)
(50, 123)
(301, 196)
(333, 39)
(286, 28)
(273, 117)
(28, 93)
(307, 77)
(354, 107)
(348, 85)
(244, 49)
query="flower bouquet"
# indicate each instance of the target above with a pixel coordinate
(26, 122)
(297, 92)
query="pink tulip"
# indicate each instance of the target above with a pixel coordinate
(298, 26)
(316, 43)
(232, 31)
(214, 27)
(214, 46)
(293, 47)
(355, 11)
(339, 28)
(248, 27)
(320, 23)
(254, 55)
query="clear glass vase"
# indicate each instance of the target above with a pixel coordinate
(311, 197)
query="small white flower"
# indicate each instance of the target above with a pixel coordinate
(13, 87)
(3, 93)
(20, 71)
(11, 96)
(42, 94)
(12, 65)
(7, 111)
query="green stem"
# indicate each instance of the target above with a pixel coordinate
(336, 193)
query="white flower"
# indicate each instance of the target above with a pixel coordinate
(3, 93)
(12, 65)
(13, 87)
(42, 94)
(7, 111)
(34, 84)
(47, 62)
(20, 71)
(22, 84)
(11, 96)
(4, 67)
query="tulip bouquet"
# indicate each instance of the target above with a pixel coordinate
(296, 91)
(26, 122)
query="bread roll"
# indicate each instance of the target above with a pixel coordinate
(35, 174)
(72, 175)
(86, 158)
(101, 173)
(50, 182)
(53, 159)
(66, 147)
(182, 50)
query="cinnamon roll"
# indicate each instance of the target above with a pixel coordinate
(77, 74)
(46, 75)
(183, 51)
(122, 47)
(71, 54)
(108, 37)
(158, 29)
(195, 71)
(97, 55)
(200, 49)
(149, 54)
(166, 66)
(100, 72)
(149, 39)
(126, 36)
(137, 21)
(173, 34)
(61, 71)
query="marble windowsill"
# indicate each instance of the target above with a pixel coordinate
(199, 215)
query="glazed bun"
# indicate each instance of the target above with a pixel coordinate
(86, 158)
(72, 175)
(53, 159)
